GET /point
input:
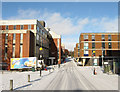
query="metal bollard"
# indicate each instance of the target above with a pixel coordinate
(28, 78)
(40, 72)
(11, 84)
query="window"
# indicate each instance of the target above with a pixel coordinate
(14, 36)
(86, 52)
(86, 45)
(13, 51)
(85, 37)
(6, 38)
(21, 50)
(29, 26)
(78, 46)
(93, 45)
(14, 27)
(21, 27)
(103, 37)
(109, 45)
(37, 37)
(21, 36)
(109, 37)
(93, 37)
(103, 52)
(7, 27)
(38, 29)
(93, 52)
(5, 51)
(103, 45)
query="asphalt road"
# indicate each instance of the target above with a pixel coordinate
(69, 78)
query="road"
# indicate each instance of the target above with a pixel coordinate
(68, 77)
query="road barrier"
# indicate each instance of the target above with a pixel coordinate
(11, 85)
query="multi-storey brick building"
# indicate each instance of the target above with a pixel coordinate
(23, 38)
(95, 45)
(55, 47)
(77, 51)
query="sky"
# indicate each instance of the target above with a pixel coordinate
(68, 19)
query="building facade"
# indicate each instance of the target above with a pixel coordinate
(98, 47)
(55, 47)
(77, 51)
(23, 38)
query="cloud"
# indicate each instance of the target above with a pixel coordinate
(67, 26)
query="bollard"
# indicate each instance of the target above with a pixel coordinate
(11, 84)
(28, 78)
(2, 72)
(49, 70)
(40, 72)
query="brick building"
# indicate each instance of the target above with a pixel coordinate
(55, 47)
(94, 45)
(23, 38)
(77, 51)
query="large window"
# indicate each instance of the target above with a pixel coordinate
(38, 37)
(6, 38)
(103, 37)
(14, 27)
(5, 51)
(38, 29)
(93, 45)
(109, 45)
(14, 36)
(86, 52)
(85, 37)
(13, 51)
(86, 45)
(21, 26)
(6, 27)
(103, 45)
(93, 37)
(21, 50)
(21, 36)
(109, 37)
(29, 26)
(93, 52)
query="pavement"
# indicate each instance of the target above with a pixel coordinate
(68, 77)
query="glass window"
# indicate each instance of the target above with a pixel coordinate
(38, 29)
(14, 27)
(6, 38)
(21, 36)
(86, 52)
(103, 37)
(13, 51)
(21, 26)
(109, 37)
(93, 45)
(5, 51)
(14, 36)
(29, 26)
(93, 37)
(86, 45)
(21, 50)
(37, 37)
(109, 45)
(103, 45)
(93, 52)
(85, 37)
(6, 27)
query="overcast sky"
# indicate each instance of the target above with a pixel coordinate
(68, 19)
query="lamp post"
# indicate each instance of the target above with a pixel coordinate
(102, 57)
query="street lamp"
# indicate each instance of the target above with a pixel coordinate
(102, 57)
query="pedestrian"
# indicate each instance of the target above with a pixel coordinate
(94, 72)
